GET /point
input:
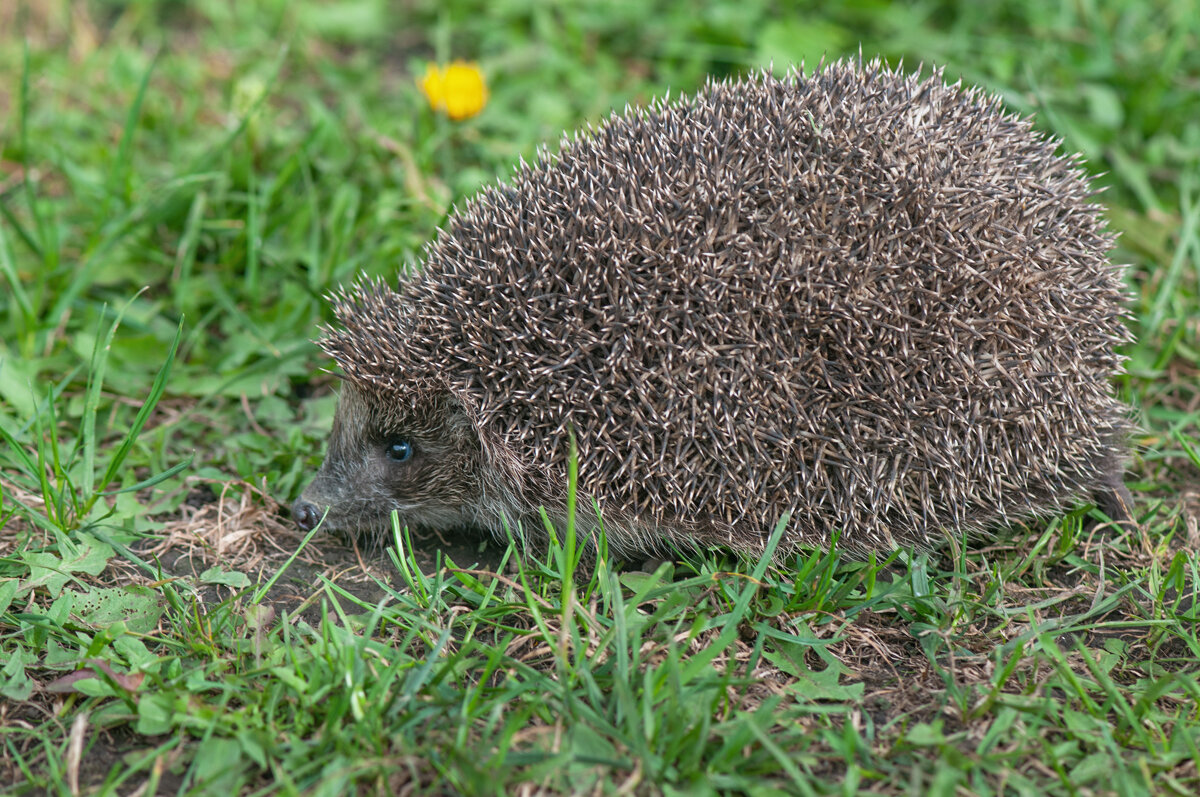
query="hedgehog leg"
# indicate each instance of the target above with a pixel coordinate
(1114, 499)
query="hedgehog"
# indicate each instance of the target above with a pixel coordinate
(877, 306)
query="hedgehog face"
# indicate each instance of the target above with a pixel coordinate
(421, 460)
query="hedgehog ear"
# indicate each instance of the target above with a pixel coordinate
(495, 452)
(462, 410)
(501, 458)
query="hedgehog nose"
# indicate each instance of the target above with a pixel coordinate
(306, 514)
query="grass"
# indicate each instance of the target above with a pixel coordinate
(180, 183)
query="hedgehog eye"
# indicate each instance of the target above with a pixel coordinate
(399, 450)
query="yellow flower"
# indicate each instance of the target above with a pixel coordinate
(459, 90)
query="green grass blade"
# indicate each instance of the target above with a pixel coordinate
(118, 179)
(22, 233)
(23, 137)
(253, 234)
(1187, 247)
(50, 497)
(703, 659)
(14, 283)
(91, 404)
(185, 258)
(18, 451)
(156, 392)
(1191, 450)
(153, 480)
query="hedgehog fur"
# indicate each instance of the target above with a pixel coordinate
(877, 303)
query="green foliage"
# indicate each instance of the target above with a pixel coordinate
(211, 169)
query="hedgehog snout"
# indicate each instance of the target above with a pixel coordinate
(306, 514)
(318, 500)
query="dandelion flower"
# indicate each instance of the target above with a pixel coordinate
(459, 90)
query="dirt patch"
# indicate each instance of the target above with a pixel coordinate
(243, 528)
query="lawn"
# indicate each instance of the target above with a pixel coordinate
(181, 183)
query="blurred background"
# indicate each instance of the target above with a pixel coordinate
(234, 160)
